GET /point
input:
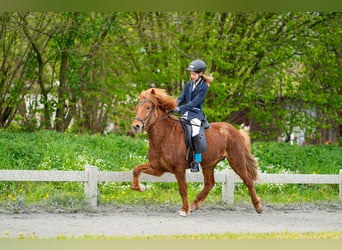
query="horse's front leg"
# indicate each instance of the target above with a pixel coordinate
(183, 191)
(209, 182)
(143, 168)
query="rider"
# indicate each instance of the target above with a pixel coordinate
(190, 104)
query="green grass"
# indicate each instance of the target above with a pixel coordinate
(230, 236)
(281, 157)
(48, 150)
(282, 235)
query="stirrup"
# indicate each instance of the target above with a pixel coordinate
(195, 167)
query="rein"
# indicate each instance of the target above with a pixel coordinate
(167, 115)
(149, 115)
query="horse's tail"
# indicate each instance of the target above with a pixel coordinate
(251, 163)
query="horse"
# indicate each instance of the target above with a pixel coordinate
(167, 149)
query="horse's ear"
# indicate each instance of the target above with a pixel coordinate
(153, 92)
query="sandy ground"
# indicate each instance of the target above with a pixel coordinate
(163, 220)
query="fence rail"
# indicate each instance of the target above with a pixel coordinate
(91, 176)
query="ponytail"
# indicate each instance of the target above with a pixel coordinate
(208, 78)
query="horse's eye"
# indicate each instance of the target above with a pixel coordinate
(149, 107)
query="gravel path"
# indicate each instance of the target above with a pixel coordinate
(143, 221)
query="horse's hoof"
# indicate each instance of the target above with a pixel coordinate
(182, 213)
(142, 187)
(193, 208)
(258, 206)
(259, 209)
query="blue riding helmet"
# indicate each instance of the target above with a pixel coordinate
(197, 66)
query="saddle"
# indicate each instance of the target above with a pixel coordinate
(201, 144)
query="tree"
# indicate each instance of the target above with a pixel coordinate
(81, 71)
(322, 60)
(15, 72)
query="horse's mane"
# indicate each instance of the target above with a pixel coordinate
(159, 97)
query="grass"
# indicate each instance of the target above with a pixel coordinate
(48, 150)
(282, 235)
(277, 157)
(225, 236)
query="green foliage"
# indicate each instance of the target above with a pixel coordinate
(282, 157)
(75, 71)
(48, 150)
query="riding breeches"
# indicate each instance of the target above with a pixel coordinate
(196, 126)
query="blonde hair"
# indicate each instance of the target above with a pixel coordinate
(208, 78)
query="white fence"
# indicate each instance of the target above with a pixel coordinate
(91, 176)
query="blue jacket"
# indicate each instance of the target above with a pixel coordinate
(192, 101)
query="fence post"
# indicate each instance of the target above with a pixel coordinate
(228, 187)
(90, 185)
(340, 185)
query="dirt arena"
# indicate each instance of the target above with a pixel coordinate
(164, 220)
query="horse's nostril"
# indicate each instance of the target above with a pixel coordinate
(136, 127)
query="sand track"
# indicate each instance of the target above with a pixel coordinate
(163, 220)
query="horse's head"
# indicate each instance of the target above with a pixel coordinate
(153, 104)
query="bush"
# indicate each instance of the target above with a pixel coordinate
(49, 150)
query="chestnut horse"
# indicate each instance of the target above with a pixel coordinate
(167, 149)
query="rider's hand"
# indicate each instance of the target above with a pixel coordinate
(175, 111)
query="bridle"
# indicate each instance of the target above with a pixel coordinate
(148, 116)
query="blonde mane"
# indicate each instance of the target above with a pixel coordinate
(160, 98)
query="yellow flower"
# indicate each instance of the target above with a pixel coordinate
(6, 232)
(21, 235)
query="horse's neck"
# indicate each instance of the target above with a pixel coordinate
(162, 130)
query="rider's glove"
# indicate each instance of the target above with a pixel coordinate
(175, 111)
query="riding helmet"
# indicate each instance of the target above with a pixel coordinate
(197, 66)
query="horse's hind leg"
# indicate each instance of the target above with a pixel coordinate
(255, 199)
(143, 168)
(250, 185)
(209, 182)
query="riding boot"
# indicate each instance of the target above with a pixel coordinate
(196, 165)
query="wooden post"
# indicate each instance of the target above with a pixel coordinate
(90, 186)
(228, 187)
